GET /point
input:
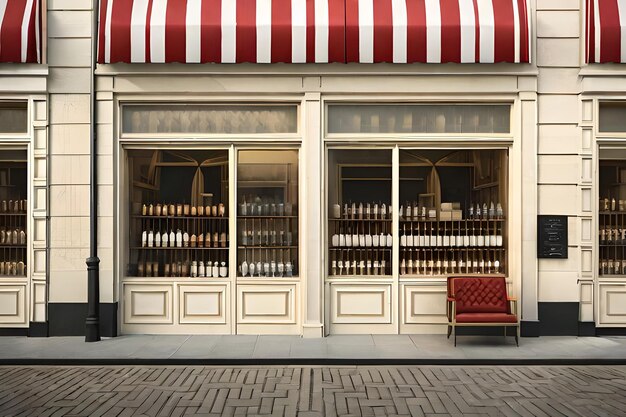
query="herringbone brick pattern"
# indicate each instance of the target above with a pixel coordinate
(312, 391)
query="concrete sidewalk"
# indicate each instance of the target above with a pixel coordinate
(424, 349)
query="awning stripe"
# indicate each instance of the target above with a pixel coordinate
(314, 31)
(193, 21)
(605, 27)
(299, 37)
(19, 31)
(468, 31)
(416, 31)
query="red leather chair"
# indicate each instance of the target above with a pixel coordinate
(480, 301)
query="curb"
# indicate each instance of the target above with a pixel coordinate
(309, 361)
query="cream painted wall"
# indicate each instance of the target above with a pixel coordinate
(69, 52)
(558, 32)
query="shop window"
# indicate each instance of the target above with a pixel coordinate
(13, 117)
(612, 116)
(267, 221)
(178, 202)
(419, 118)
(453, 212)
(13, 213)
(612, 213)
(209, 119)
(360, 213)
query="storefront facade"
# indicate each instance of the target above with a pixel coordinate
(23, 174)
(331, 186)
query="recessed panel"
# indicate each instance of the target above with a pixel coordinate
(9, 302)
(360, 304)
(39, 261)
(12, 304)
(147, 303)
(585, 194)
(613, 304)
(41, 136)
(587, 170)
(616, 303)
(586, 293)
(587, 139)
(267, 304)
(40, 230)
(424, 304)
(40, 198)
(40, 168)
(202, 304)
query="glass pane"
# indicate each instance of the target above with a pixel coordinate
(419, 118)
(13, 117)
(205, 119)
(13, 213)
(267, 221)
(612, 214)
(613, 116)
(452, 213)
(359, 196)
(178, 213)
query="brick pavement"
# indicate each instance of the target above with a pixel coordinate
(313, 391)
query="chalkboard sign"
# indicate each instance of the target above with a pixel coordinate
(552, 237)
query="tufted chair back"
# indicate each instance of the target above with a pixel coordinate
(480, 295)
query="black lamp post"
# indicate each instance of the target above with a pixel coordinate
(92, 323)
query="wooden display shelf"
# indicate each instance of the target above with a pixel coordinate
(13, 214)
(140, 216)
(361, 220)
(203, 280)
(612, 245)
(444, 276)
(13, 246)
(402, 220)
(265, 217)
(448, 248)
(352, 276)
(604, 212)
(256, 279)
(386, 248)
(267, 247)
(177, 248)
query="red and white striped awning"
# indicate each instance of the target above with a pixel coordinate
(606, 31)
(314, 31)
(19, 31)
(437, 31)
(222, 31)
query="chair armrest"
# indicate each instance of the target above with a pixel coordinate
(451, 299)
(511, 298)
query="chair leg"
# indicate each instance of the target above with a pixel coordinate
(517, 330)
(454, 329)
(449, 331)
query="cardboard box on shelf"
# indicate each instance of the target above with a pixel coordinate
(445, 216)
(450, 206)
